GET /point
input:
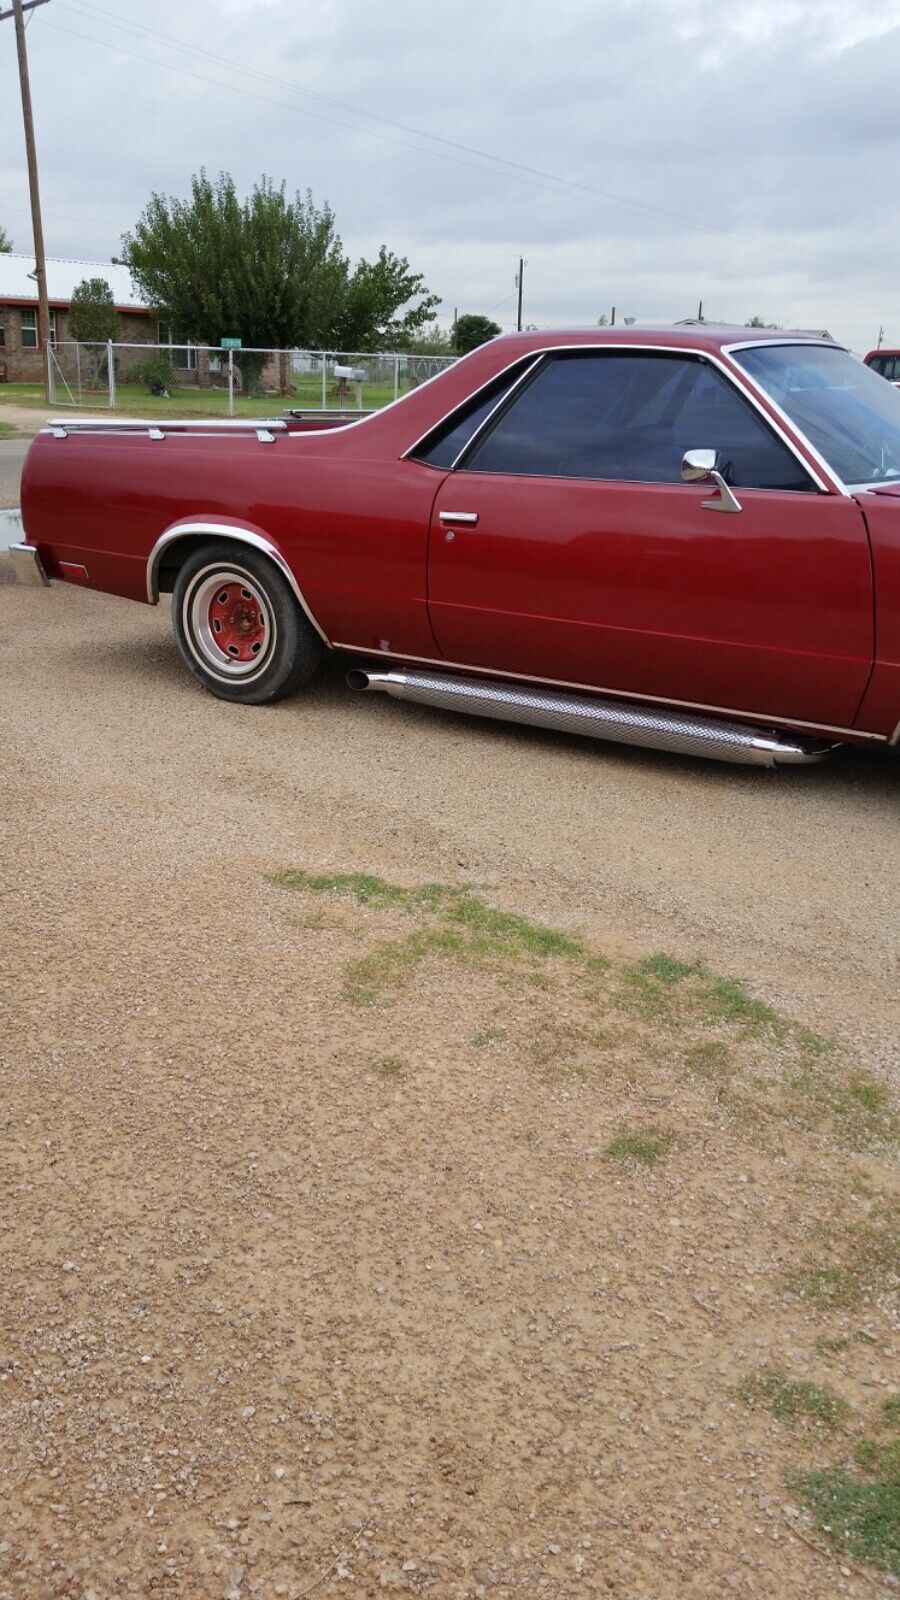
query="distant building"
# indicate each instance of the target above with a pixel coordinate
(20, 350)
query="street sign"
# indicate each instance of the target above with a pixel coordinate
(230, 344)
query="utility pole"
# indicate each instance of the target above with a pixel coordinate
(880, 336)
(700, 312)
(40, 266)
(519, 283)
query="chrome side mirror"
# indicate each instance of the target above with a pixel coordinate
(702, 466)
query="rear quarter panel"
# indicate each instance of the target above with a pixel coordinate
(352, 526)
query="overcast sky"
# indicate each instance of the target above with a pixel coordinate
(745, 152)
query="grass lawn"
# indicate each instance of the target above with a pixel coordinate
(132, 400)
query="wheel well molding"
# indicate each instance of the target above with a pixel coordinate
(184, 531)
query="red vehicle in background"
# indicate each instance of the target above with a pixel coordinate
(682, 537)
(886, 363)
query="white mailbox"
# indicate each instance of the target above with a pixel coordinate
(348, 375)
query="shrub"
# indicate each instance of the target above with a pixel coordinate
(158, 374)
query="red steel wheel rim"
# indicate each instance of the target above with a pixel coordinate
(237, 621)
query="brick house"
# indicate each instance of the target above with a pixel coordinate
(139, 324)
(19, 341)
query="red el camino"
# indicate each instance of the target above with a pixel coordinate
(682, 537)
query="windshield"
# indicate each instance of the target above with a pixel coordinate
(847, 411)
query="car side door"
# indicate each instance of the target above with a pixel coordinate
(565, 546)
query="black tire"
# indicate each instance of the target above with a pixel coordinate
(239, 626)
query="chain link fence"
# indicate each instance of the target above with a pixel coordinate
(200, 380)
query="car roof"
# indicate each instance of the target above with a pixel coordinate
(671, 335)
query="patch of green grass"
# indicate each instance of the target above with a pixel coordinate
(454, 923)
(710, 1058)
(864, 1261)
(727, 1000)
(389, 1067)
(878, 1455)
(363, 887)
(662, 969)
(827, 1345)
(645, 1149)
(662, 986)
(859, 1515)
(188, 400)
(890, 1411)
(7, 431)
(792, 1399)
(486, 1036)
(858, 1107)
(825, 1286)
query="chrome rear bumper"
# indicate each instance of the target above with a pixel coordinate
(27, 565)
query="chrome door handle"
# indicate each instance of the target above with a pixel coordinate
(468, 517)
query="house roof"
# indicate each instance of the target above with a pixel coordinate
(17, 284)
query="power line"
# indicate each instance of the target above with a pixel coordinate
(534, 176)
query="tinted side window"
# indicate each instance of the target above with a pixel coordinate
(444, 444)
(631, 416)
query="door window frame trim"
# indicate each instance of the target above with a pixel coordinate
(830, 483)
(766, 344)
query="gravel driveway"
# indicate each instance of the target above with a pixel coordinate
(788, 878)
(308, 1288)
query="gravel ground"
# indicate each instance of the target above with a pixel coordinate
(12, 457)
(302, 1295)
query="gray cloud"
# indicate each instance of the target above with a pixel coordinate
(756, 144)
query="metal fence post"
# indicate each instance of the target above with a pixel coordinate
(78, 369)
(324, 383)
(231, 383)
(396, 376)
(111, 374)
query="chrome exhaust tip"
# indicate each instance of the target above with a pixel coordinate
(621, 721)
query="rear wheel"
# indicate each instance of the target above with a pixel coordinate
(240, 628)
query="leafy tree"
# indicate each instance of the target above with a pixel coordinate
(92, 312)
(472, 331)
(430, 340)
(374, 292)
(759, 322)
(267, 270)
(5, 243)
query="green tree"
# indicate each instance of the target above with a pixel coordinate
(92, 312)
(267, 270)
(374, 292)
(759, 322)
(472, 331)
(429, 340)
(5, 243)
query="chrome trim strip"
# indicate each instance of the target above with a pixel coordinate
(618, 694)
(167, 424)
(788, 338)
(224, 530)
(755, 344)
(734, 374)
(894, 740)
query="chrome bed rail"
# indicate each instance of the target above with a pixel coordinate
(265, 430)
